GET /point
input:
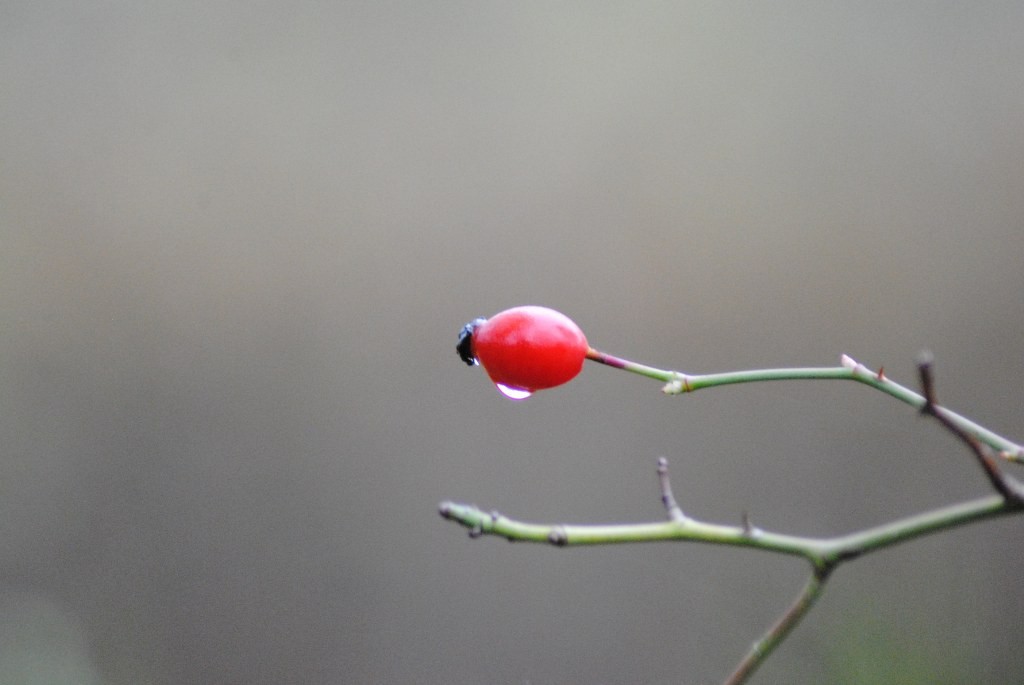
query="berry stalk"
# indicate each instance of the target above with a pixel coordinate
(677, 383)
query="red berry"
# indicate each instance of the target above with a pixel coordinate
(525, 348)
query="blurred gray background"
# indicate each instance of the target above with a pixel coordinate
(238, 241)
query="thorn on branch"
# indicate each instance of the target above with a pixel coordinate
(1010, 489)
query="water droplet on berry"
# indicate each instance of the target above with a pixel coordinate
(513, 393)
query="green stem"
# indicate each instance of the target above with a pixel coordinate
(822, 553)
(950, 516)
(676, 383)
(763, 648)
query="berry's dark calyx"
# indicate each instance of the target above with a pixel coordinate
(465, 345)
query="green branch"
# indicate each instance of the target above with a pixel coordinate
(820, 552)
(850, 370)
(782, 628)
(824, 554)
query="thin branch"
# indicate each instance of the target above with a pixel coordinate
(1006, 486)
(677, 382)
(818, 551)
(763, 648)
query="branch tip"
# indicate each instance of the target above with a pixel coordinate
(748, 528)
(925, 360)
(667, 498)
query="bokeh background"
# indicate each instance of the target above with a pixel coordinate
(238, 241)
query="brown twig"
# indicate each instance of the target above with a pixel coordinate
(1011, 489)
